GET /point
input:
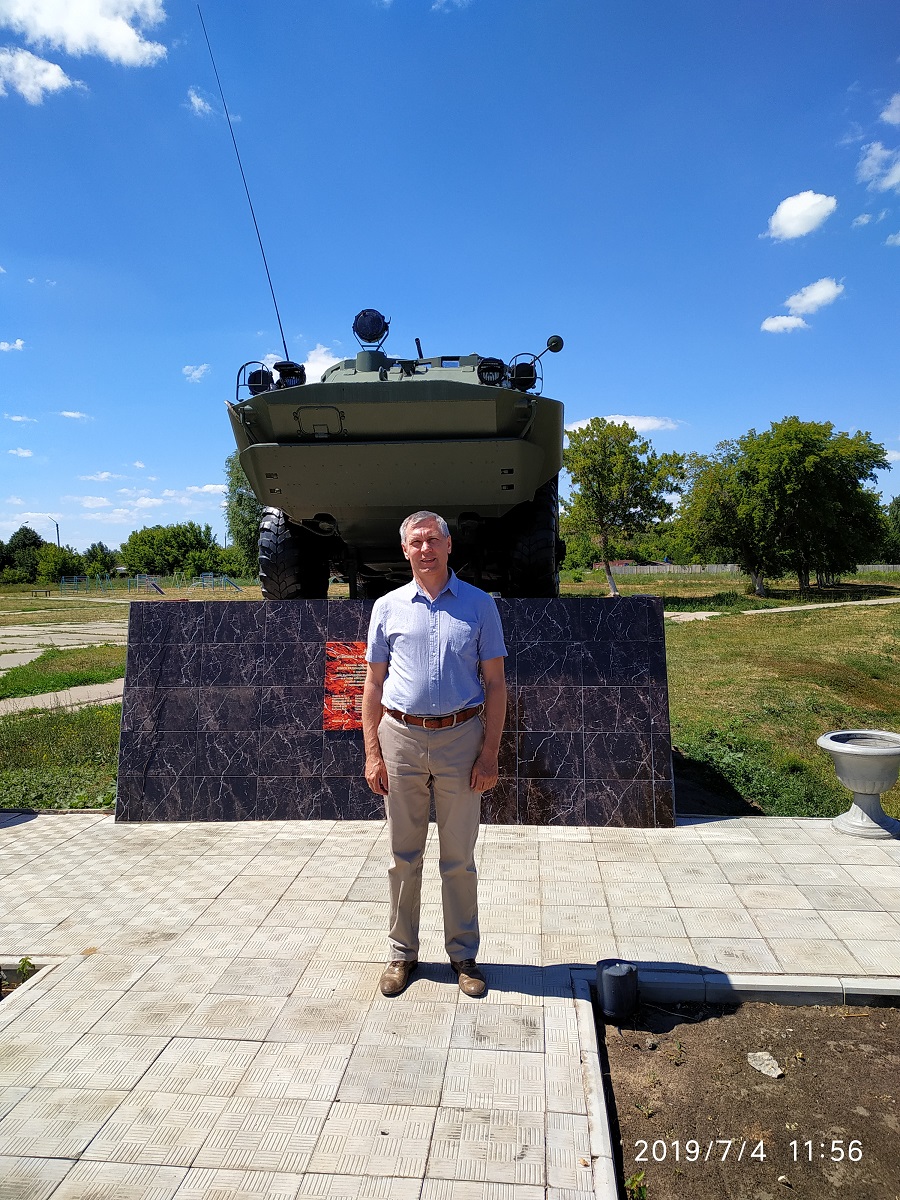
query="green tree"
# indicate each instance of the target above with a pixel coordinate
(620, 485)
(790, 498)
(21, 550)
(890, 551)
(53, 562)
(99, 559)
(243, 513)
(164, 549)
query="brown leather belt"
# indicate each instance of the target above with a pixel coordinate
(447, 722)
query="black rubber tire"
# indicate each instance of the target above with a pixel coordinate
(294, 564)
(534, 557)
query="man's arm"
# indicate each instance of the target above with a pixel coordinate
(485, 769)
(376, 772)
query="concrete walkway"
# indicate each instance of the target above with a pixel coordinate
(210, 1025)
(77, 697)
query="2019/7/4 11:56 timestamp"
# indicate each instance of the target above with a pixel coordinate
(744, 1150)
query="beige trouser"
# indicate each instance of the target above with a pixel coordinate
(421, 762)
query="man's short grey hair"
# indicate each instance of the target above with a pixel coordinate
(418, 518)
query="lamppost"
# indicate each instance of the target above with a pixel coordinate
(55, 522)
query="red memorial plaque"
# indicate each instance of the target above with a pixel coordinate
(345, 675)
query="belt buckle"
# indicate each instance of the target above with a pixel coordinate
(425, 721)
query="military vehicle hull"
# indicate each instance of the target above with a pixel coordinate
(339, 464)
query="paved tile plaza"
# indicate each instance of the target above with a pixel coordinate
(210, 1024)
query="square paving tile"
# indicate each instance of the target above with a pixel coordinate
(500, 1026)
(854, 899)
(56, 1122)
(725, 954)
(26, 1056)
(216, 1184)
(222, 1016)
(647, 922)
(374, 1139)
(648, 951)
(425, 1023)
(813, 956)
(568, 1152)
(790, 923)
(307, 1019)
(394, 1074)
(635, 895)
(467, 1189)
(261, 1134)
(199, 1067)
(865, 926)
(295, 1071)
(357, 1187)
(718, 922)
(161, 1128)
(106, 1061)
(564, 1082)
(490, 1145)
(774, 896)
(25, 1178)
(875, 956)
(501, 1079)
(121, 1181)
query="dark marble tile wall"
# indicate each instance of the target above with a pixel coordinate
(222, 714)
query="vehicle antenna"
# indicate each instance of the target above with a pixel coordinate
(244, 178)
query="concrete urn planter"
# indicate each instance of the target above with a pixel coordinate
(867, 762)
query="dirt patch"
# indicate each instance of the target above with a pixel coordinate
(683, 1089)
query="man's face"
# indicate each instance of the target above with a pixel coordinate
(427, 550)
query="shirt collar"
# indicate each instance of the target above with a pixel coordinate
(452, 586)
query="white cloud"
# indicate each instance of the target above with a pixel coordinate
(891, 114)
(217, 489)
(862, 219)
(100, 477)
(30, 76)
(892, 239)
(2, 270)
(20, 453)
(782, 324)
(893, 456)
(93, 501)
(14, 500)
(74, 415)
(885, 212)
(197, 104)
(195, 374)
(813, 297)
(638, 424)
(18, 344)
(137, 463)
(16, 417)
(879, 168)
(112, 29)
(318, 361)
(147, 502)
(445, 5)
(798, 215)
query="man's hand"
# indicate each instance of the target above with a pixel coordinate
(485, 772)
(376, 775)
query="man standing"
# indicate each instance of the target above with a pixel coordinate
(433, 710)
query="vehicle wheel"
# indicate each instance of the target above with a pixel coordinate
(293, 563)
(534, 556)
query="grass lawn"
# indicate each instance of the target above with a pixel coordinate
(52, 758)
(750, 695)
(56, 670)
(728, 593)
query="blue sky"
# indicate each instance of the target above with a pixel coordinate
(702, 199)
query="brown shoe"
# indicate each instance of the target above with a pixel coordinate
(395, 976)
(471, 980)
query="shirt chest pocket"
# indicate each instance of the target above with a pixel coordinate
(461, 640)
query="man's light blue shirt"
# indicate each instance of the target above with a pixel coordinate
(433, 647)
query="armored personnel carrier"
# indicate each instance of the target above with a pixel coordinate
(338, 464)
